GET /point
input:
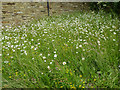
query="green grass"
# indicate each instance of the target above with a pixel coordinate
(34, 55)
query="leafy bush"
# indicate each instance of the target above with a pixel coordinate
(106, 6)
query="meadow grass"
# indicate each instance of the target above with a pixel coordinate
(77, 50)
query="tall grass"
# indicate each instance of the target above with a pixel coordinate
(78, 50)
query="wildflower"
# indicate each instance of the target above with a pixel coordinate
(114, 32)
(9, 76)
(70, 85)
(50, 62)
(91, 86)
(48, 67)
(80, 75)
(35, 48)
(83, 82)
(94, 79)
(32, 39)
(25, 41)
(104, 5)
(25, 53)
(64, 63)
(85, 43)
(73, 87)
(6, 61)
(79, 86)
(83, 87)
(48, 54)
(93, 12)
(44, 57)
(55, 55)
(0, 55)
(76, 47)
(111, 30)
(83, 49)
(44, 60)
(71, 73)
(98, 42)
(16, 73)
(40, 54)
(113, 39)
(80, 45)
(61, 86)
(32, 47)
(113, 27)
(119, 66)
(9, 63)
(83, 58)
(66, 44)
(80, 39)
(13, 50)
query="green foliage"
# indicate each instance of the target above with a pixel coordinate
(78, 50)
(106, 6)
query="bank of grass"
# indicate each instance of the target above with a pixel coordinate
(78, 50)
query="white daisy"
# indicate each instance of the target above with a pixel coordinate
(64, 63)
(44, 57)
(50, 62)
(48, 67)
(80, 45)
(55, 55)
(83, 58)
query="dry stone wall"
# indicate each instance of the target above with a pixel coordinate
(16, 13)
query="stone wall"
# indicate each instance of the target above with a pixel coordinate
(15, 13)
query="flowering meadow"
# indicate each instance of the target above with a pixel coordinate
(76, 50)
